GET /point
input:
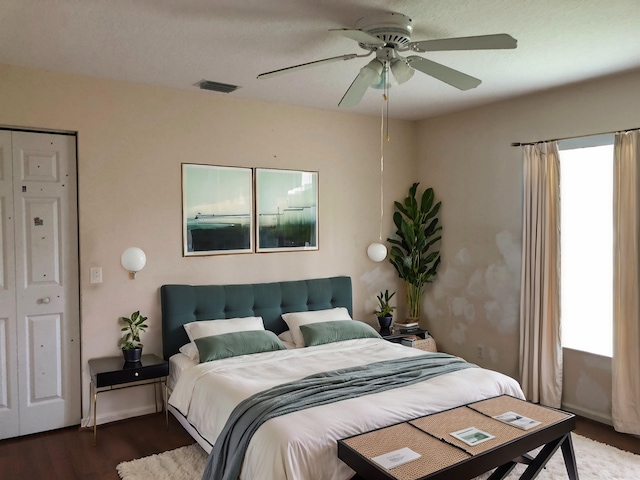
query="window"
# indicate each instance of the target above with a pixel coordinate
(586, 242)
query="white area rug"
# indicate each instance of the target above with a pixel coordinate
(596, 461)
(184, 463)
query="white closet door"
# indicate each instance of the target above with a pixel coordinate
(9, 405)
(47, 327)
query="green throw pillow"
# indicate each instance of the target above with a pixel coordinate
(217, 347)
(336, 331)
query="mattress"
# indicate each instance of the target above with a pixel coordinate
(178, 363)
(302, 445)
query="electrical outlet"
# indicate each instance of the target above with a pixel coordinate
(95, 275)
(480, 352)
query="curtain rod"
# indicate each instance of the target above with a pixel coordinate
(520, 144)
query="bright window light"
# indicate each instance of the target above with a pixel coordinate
(586, 232)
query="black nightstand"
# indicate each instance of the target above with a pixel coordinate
(397, 337)
(113, 373)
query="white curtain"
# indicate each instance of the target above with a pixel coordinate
(540, 346)
(626, 293)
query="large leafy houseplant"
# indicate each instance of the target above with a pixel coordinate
(412, 252)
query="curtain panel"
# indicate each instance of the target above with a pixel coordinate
(626, 288)
(540, 346)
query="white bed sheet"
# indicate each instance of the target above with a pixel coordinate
(302, 445)
(178, 363)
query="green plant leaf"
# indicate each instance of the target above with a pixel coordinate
(427, 200)
(434, 212)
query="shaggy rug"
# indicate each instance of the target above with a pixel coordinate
(595, 460)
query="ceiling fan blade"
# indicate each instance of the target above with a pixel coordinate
(457, 79)
(480, 42)
(356, 90)
(302, 66)
(359, 36)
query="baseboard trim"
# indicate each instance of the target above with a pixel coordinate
(587, 413)
(87, 422)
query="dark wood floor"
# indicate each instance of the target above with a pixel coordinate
(69, 454)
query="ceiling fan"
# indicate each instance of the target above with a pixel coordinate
(387, 34)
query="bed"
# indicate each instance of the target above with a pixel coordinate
(300, 445)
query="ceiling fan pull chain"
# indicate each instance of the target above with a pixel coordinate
(382, 126)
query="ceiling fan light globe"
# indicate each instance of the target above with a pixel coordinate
(385, 81)
(373, 72)
(401, 71)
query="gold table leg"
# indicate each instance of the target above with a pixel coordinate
(166, 404)
(95, 404)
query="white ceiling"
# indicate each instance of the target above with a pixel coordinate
(177, 43)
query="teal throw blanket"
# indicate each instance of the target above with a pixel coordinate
(227, 455)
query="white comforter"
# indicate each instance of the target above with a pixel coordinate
(302, 445)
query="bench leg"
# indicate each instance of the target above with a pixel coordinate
(502, 471)
(570, 458)
(542, 458)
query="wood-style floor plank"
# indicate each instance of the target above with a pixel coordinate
(69, 454)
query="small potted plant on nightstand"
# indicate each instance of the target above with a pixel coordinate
(385, 311)
(130, 341)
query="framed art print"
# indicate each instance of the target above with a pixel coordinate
(217, 206)
(286, 210)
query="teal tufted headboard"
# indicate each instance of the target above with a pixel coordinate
(187, 303)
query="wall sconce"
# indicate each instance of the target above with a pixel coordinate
(134, 260)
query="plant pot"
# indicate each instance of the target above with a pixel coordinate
(385, 323)
(133, 355)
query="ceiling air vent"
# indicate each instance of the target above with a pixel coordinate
(217, 86)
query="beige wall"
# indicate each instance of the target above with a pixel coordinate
(468, 160)
(133, 138)
(131, 142)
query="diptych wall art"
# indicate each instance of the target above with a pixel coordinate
(224, 209)
(217, 207)
(286, 210)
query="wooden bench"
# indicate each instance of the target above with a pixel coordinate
(442, 456)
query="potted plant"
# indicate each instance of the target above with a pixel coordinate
(130, 341)
(385, 311)
(412, 254)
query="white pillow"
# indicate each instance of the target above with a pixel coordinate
(287, 339)
(190, 350)
(295, 319)
(208, 328)
(286, 336)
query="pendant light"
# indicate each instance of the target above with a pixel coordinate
(377, 251)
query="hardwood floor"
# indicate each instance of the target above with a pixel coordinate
(606, 434)
(69, 454)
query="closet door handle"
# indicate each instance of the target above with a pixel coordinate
(45, 300)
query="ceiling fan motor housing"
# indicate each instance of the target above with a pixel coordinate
(394, 29)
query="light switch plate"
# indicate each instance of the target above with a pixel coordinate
(95, 274)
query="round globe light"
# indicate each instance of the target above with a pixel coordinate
(133, 259)
(377, 252)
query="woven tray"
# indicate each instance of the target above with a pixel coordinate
(427, 344)
(504, 403)
(435, 455)
(440, 425)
